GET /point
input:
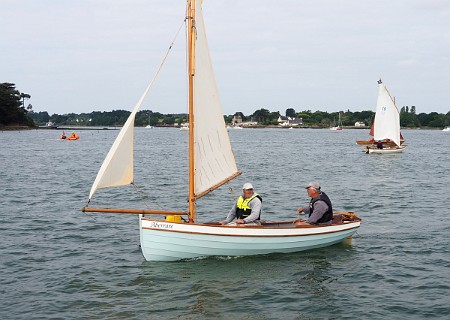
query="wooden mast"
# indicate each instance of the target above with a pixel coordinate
(191, 73)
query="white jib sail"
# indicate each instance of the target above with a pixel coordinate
(117, 168)
(387, 117)
(213, 157)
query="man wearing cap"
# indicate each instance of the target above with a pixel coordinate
(320, 209)
(247, 209)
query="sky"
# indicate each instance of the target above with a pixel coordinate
(99, 55)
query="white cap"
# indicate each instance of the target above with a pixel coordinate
(314, 185)
(247, 186)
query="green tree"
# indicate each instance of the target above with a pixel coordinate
(12, 110)
(261, 116)
(290, 113)
(408, 117)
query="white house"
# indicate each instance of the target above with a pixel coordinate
(360, 124)
(289, 122)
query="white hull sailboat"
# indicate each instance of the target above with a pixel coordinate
(164, 241)
(339, 127)
(164, 235)
(387, 138)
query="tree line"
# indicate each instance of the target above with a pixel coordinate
(12, 106)
(14, 112)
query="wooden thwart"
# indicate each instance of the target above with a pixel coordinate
(133, 211)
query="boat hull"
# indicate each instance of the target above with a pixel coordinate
(76, 137)
(166, 241)
(386, 150)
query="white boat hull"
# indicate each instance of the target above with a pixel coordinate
(387, 150)
(167, 241)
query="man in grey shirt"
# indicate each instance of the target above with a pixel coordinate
(320, 210)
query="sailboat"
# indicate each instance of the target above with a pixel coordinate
(386, 127)
(339, 127)
(168, 235)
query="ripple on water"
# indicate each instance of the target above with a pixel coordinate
(58, 262)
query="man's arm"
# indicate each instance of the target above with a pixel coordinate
(231, 214)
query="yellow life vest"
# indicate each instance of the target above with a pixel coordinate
(242, 208)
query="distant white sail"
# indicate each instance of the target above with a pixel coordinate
(387, 117)
(213, 156)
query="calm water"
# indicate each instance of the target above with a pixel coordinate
(60, 263)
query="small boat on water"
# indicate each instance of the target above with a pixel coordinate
(51, 125)
(339, 126)
(72, 136)
(165, 235)
(184, 127)
(446, 129)
(386, 127)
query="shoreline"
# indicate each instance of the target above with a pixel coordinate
(23, 127)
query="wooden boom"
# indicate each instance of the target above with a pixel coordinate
(133, 211)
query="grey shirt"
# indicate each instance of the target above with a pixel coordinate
(320, 207)
(255, 205)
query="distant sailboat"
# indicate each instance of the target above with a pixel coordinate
(339, 126)
(164, 235)
(184, 127)
(386, 127)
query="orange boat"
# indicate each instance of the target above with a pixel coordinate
(73, 136)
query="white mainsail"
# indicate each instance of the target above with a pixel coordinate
(213, 157)
(387, 117)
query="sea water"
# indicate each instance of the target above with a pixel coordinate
(59, 263)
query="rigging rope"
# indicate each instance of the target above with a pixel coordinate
(160, 67)
(142, 193)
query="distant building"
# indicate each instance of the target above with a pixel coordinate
(360, 124)
(289, 122)
(237, 120)
(249, 124)
(295, 122)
